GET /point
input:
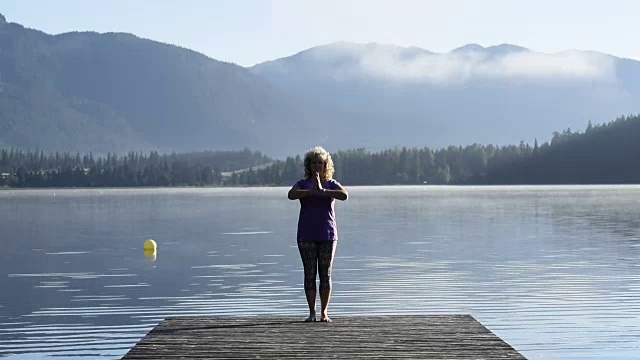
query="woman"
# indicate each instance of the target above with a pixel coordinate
(317, 231)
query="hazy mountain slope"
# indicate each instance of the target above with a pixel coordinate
(117, 92)
(41, 118)
(34, 113)
(389, 95)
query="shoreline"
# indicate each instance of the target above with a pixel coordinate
(284, 186)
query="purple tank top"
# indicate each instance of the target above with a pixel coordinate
(317, 220)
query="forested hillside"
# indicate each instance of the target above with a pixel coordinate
(603, 154)
(116, 92)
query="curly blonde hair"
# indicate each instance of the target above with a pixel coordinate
(318, 152)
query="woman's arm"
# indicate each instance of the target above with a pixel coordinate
(338, 193)
(296, 193)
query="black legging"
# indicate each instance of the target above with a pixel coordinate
(317, 255)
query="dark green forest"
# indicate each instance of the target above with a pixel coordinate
(603, 154)
(37, 169)
(606, 153)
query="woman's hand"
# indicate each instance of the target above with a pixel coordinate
(296, 193)
(317, 183)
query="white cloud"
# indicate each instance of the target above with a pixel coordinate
(404, 64)
(574, 64)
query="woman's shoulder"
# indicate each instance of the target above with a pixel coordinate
(333, 182)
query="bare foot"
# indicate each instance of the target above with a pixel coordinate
(311, 318)
(325, 318)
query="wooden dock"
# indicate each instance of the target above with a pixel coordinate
(354, 337)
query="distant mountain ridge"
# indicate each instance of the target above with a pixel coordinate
(85, 91)
(116, 92)
(499, 94)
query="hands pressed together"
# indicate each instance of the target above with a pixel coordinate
(317, 190)
(316, 185)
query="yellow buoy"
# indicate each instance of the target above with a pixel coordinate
(150, 245)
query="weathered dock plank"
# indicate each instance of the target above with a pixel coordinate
(356, 337)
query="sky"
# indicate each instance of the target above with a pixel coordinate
(247, 32)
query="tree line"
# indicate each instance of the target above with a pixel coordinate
(602, 154)
(36, 169)
(606, 153)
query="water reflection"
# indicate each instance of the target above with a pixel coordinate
(151, 255)
(552, 270)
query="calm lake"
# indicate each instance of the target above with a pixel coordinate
(552, 270)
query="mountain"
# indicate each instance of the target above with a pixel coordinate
(384, 95)
(116, 92)
(84, 91)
